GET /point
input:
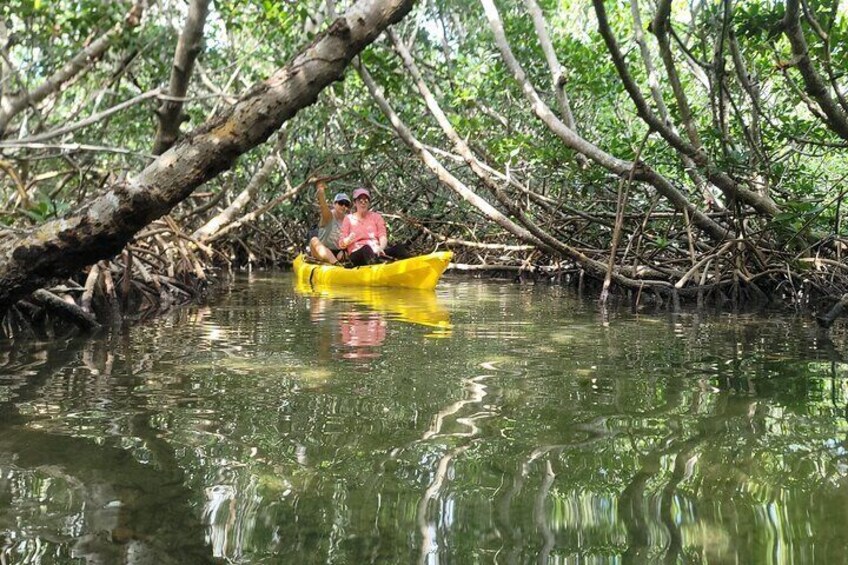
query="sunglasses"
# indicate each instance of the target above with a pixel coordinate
(363, 199)
(344, 203)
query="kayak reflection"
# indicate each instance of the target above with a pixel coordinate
(404, 304)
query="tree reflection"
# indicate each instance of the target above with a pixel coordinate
(92, 502)
(77, 496)
(239, 432)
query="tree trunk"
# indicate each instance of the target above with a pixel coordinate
(836, 119)
(102, 228)
(170, 113)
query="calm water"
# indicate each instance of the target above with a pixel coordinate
(485, 423)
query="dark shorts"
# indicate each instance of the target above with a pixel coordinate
(366, 256)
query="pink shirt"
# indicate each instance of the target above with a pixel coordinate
(367, 231)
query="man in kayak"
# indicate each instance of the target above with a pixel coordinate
(363, 235)
(324, 245)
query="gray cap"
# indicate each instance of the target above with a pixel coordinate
(340, 197)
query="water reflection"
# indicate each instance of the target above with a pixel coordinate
(539, 432)
(358, 334)
(75, 479)
(410, 305)
(362, 334)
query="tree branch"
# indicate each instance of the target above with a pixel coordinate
(722, 180)
(558, 78)
(574, 141)
(836, 118)
(188, 48)
(227, 215)
(441, 173)
(100, 230)
(92, 119)
(10, 108)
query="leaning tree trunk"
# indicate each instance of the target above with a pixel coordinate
(100, 230)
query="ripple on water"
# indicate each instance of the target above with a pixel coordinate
(533, 429)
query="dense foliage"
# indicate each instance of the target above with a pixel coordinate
(735, 113)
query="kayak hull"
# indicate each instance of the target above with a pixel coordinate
(423, 271)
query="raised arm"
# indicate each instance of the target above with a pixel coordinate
(323, 207)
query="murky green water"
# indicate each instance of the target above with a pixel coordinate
(484, 424)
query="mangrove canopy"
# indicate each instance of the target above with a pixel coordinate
(659, 150)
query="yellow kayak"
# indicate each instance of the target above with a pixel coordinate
(422, 271)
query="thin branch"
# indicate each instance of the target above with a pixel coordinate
(93, 119)
(72, 68)
(73, 147)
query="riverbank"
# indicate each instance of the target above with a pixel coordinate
(149, 280)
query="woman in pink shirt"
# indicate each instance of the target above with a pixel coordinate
(363, 234)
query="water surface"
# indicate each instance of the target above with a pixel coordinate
(482, 423)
